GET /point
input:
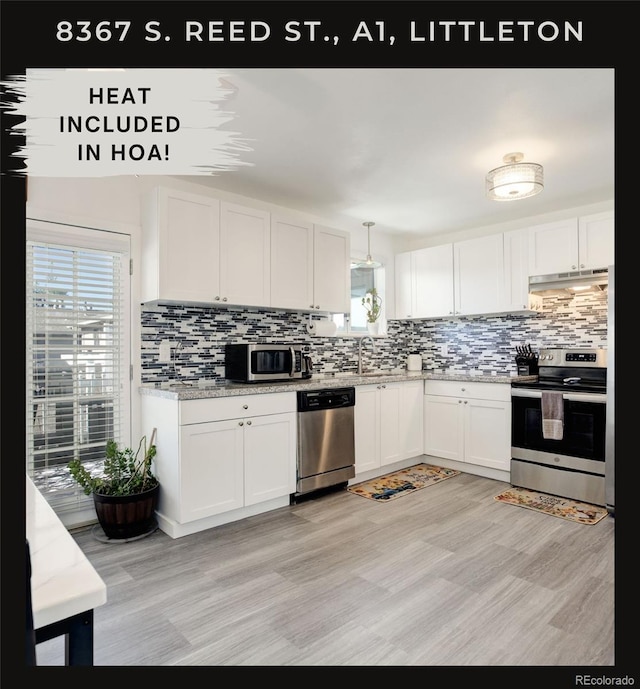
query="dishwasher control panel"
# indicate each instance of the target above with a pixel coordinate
(332, 398)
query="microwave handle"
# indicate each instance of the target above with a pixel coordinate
(293, 361)
(569, 397)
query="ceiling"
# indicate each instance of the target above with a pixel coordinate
(409, 148)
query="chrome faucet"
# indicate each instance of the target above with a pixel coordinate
(360, 343)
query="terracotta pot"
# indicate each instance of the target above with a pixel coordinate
(127, 516)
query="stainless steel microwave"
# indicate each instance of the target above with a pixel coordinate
(255, 363)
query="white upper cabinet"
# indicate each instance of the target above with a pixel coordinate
(309, 266)
(479, 275)
(203, 250)
(291, 263)
(596, 240)
(570, 245)
(432, 270)
(181, 247)
(516, 274)
(331, 270)
(458, 279)
(404, 285)
(245, 255)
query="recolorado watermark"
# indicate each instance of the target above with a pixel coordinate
(602, 681)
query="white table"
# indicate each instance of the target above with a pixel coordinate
(65, 588)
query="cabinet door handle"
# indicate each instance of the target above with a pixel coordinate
(248, 423)
(245, 406)
(240, 423)
(217, 299)
(317, 306)
(224, 299)
(465, 402)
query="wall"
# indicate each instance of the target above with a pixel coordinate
(483, 344)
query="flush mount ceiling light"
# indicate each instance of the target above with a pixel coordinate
(516, 180)
(368, 262)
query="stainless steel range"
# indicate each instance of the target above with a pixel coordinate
(571, 392)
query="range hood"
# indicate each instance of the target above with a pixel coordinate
(594, 280)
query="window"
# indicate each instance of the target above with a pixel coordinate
(77, 353)
(362, 280)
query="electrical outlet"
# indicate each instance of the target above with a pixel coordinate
(165, 352)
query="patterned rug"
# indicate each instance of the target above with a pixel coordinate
(552, 504)
(403, 482)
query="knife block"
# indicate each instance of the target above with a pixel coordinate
(527, 365)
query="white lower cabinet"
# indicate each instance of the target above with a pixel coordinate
(219, 459)
(211, 470)
(388, 423)
(468, 422)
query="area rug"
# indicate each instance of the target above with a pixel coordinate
(400, 483)
(575, 511)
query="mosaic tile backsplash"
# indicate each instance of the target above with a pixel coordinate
(485, 345)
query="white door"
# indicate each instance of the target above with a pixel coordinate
(443, 431)
(181, 251)
(390, 423)
(269, 457)
(596, 240)
(411, 418)
(332, 270)
(404, 285)
(78, 355)
(291, 263)
(433, 281)
(211, 469)
(366, 428)
(245, 255)
(487, 433)
(516, 271)
(553, 247)
(479, 275)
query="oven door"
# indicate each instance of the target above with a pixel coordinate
(584, 428)
(572, 467)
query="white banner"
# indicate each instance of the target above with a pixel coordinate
(97, 123)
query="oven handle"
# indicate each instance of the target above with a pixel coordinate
(569, 396)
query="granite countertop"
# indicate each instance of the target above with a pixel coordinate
(222, 388)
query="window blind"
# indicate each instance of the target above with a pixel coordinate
(77, 356)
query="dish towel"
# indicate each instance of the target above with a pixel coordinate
(552, 415)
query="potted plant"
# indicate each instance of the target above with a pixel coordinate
(126, 495)
(372, 303)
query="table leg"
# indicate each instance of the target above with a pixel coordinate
(78, 633)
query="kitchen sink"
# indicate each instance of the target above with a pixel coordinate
(368, 374)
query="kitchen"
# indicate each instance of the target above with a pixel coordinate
(475, 345)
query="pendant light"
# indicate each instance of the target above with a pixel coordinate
(368, 262)
(515, 180)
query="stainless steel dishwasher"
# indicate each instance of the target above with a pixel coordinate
(326, 443)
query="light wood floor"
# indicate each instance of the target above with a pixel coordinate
(445, 576)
